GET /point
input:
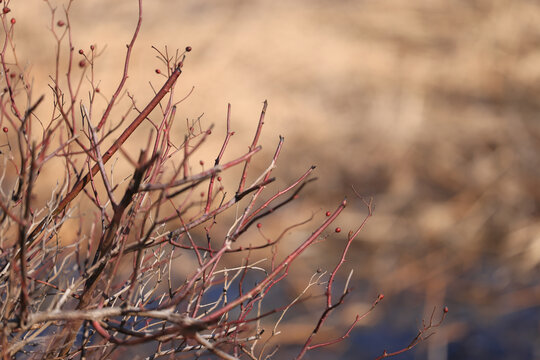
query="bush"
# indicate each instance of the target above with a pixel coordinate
(114, 285)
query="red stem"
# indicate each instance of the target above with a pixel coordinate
(125, 74)
(214, 317)
(109, 153)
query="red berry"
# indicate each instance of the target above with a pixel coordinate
(219, 178)
(5, 10)
(158, 71)
(201, 162)
(81, 51)
(92, 47)
(60, 23)
(97, 90)
(12, 75)
(82, 63)
(381, 296)
(208, 132)
(13, 21)
(445, 309)
(338, 229)
(5, 129)
(328, 213)
(202, 193)
(259, 225)
(188, 48)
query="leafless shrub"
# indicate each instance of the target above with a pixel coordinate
(66, 300)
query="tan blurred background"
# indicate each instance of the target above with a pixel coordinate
(430, 106)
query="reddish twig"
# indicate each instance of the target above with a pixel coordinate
(125, 73)
(218, 159)
(423, 334)
(252, 146)
(109, 153)
(214, 317)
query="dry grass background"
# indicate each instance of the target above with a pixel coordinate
(430, 106)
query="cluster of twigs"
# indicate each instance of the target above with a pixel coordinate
(66, 300)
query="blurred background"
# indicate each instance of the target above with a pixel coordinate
(429, 106)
